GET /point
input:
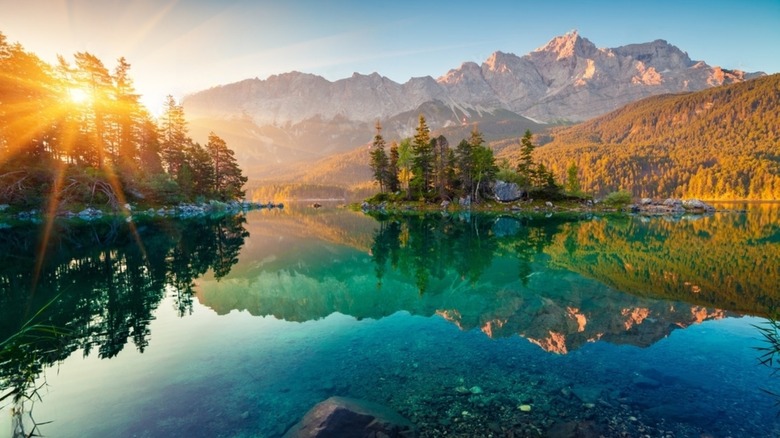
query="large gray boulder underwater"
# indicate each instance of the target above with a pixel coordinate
(343, 417)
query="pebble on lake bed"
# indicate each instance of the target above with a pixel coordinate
(525, 408)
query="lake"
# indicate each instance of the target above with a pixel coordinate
(502, 325)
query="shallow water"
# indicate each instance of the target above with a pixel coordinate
(627, 326)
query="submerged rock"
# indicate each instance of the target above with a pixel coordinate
(351, 418)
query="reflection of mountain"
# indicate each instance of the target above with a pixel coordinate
(486, 272)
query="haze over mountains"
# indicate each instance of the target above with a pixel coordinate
(298, 117)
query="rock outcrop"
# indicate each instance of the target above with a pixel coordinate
(673, 206)
(507, 192)
(344, 417)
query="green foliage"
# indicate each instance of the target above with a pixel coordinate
(770, 352)
(380, 164)
(508, 174)
(227, 176)
(422, 159)
(618, 199)
(572, 185)
(484, 166)
(526, 166)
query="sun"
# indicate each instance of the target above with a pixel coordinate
(78, 95)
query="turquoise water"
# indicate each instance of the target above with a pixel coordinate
(235, 327)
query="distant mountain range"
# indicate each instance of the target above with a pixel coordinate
(298, 117)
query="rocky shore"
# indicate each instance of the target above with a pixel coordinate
(646, 206)
(183, 210)
(671, 206)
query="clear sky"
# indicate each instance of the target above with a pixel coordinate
(179, 47)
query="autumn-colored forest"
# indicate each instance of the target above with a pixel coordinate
(720, 144)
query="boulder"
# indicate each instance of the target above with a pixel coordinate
(507, 192)
(695, 204)
(344, 417)
(673, 205)
(645, 201)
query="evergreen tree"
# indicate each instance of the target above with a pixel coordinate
(93, 76)
(228, 179)
(464, 168)
(526, 167)
(393, 182)
(572, 180)
(405, 166)
(129, 118)
(174, 139)
(423, 159)
(379, 162)
(202, 169)
(441, 166)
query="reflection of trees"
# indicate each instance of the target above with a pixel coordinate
(728, 261)
(424, 247)
(100, 283)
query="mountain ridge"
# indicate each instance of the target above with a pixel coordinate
(568, 64)
(296, 117)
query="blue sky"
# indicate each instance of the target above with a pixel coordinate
(179, 47)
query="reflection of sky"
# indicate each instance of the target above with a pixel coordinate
(178, 47)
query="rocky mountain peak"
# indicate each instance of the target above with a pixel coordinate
(568, 45)
(659, 54)
(499, 62)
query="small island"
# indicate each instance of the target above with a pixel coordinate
(425, 174)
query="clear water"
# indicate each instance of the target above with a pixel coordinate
(236, 327)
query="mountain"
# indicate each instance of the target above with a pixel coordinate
(298, 117)
(721, 143)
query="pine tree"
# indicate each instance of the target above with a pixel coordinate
(202, 169)
(379, 162)
(464, 168)
(228, 180)
(393, 182)
(526, 167)
(441, 166)
(128, 115)
(572, 180)
(423, 159)
(405, 166)
(174, 139)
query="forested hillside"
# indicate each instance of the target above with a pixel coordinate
(720, 143)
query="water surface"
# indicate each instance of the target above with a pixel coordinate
(237, 326)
